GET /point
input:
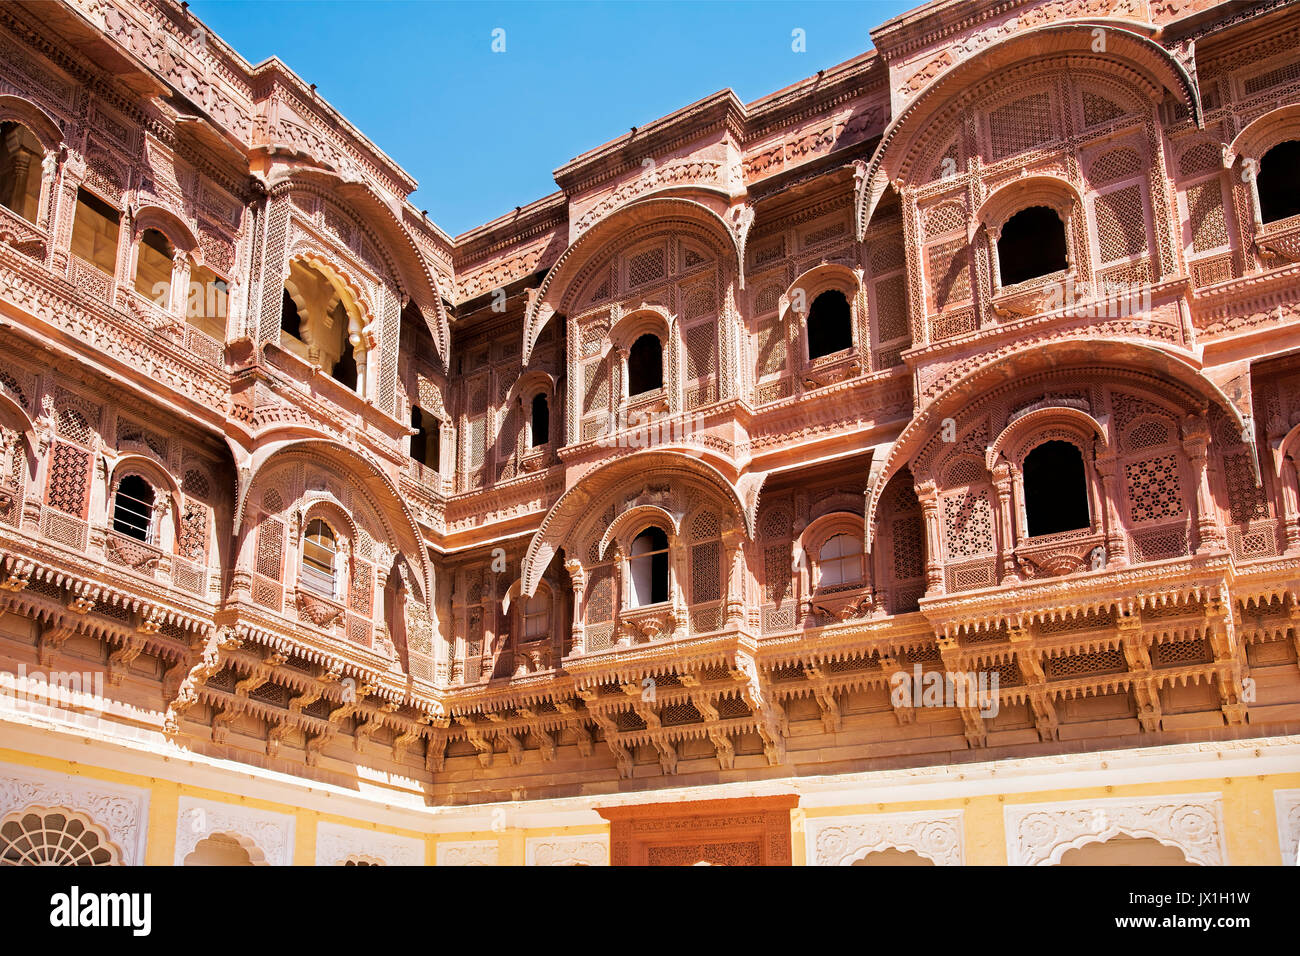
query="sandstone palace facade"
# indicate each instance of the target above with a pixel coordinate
(900, 468)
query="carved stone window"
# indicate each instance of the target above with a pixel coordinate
(153, 267)
(426, 442)
(537, 616)
(839, 561)
(539, 421)
(42, 836)
(1056, 489)
(319, 559)
(648, 568)
(95, 228)
(1030, 245)
(133, 509)
(645, 365)
(321, 322)
(830, 324)
(1278, 186)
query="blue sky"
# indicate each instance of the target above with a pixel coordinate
(483, 131)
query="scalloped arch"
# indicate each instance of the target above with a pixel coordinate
(1017, 430)
(597, 238)
(1263, 133)
(402, 256)
(176, 229)
(398, 521)
(44, 127)
(574, 504)
(1030, 359)
(1126, 50)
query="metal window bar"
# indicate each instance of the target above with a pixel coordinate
(132, 516)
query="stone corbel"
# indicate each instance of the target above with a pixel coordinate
(483, 746)
(832, 721)
(53, 637)
(584, 739)
(187, 691)
(221, 724)
(275, 737)
(121, 659)
(436, 751)
(260, 674)
(970, 710)
(1146, 693)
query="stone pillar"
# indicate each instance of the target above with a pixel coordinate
(1290, 479)
(1002, 481)
(101, 497)
(733, 557)
(49, 185)
(180, 282)
(578, 581)
(1196, 439)
(679, 563)
(164, 532)
(1116, 541)
(927, 493)
(619, 390)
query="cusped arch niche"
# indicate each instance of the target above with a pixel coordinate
(310, 478)
(926, 121)
(574, 281)
(380, 222)
(668, 482)
(55, 836)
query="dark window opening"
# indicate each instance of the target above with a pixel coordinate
(425, 441)
(830, 324)
(133, 508)
(1278, 182)
(21, 154)
(645, 365)
(1032, 244)
(1056, 491)
(290, 320)
(345, 369)
(541, 421)
(648, 564)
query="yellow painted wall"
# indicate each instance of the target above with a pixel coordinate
(1250, 819)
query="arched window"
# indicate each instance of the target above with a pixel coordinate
(321, 324)
(830, 324)
(206, 302)
(344, 371)
(1056, 490)
(219, 849)
(537, 617)
(839, 561)
(648, 567)
(53, 837)
(425, 442)
(290, 320)
(133, 508)
(1031, 244)
(153, 268)
(541, 421)
(95, 226)
(1278, 182)
(645, 365)
(319, 558)
(20, 170)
